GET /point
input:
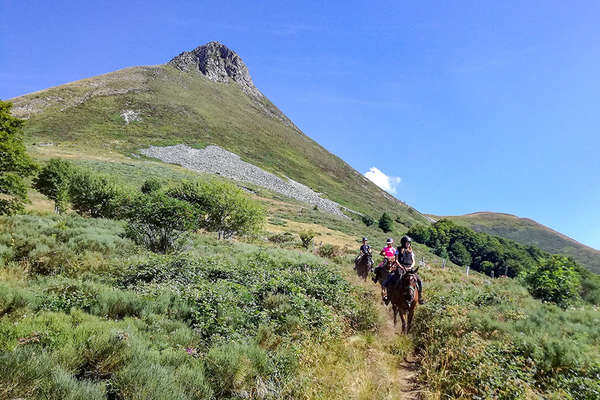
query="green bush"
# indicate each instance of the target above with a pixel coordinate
(280, 238)
(98, 196)
(156, 221)
(367, 220)
(54, 181)
(150, 185)
(330, 251)
(555, 280)
(306, 237)
(222, 207)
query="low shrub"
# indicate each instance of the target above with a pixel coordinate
(307, 238)
(281, 238)
(330, 251)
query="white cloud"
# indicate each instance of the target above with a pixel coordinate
(387, 183)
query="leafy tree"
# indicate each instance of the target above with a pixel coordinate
(15, 164)
(459, 254)
(307, 238)
(222, 207)
(157, 220)
(555, 280)
(98, 196)
(420, 233)
(367, 220)
(53, 181)
(150, 185)
(386, 222)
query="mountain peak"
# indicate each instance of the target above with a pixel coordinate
(217, 63)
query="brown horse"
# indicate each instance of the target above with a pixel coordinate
(381, 276)
(404, 296)
(362, 265)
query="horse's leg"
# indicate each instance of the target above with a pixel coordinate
(395, 309)
(403, 320)
(411, 313)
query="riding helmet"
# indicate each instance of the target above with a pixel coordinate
(405, 239)
(364, 239)
(390, 240)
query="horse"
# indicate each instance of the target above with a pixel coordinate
(381, 276)
(404, 296)
(363, 264)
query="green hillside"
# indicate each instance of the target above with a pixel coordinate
(88, 310)
(186, 107)
(529, 232)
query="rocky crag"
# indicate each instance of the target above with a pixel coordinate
(218, 63)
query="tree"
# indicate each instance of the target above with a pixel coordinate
(459, 254)
(15, 164)
(420, 233)
(53, 181)
(222, 207)
(156, 221)
(555, 280)
(385, 222)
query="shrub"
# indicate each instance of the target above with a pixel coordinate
(98, 196)
(330, 251)
(157, 220)
(284, 237)
(235, 368)
(53, 181)
(555, 280)
(386, 223)
(150, 185)
(307, 238)
(222, 207)
(367, 220)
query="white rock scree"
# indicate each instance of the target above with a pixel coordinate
(216, 160)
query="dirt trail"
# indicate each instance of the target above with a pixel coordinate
(404, 368)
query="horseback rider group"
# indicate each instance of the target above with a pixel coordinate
(396, 261)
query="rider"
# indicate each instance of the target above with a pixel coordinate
(365, 249)
(406, 258)
(389, 252)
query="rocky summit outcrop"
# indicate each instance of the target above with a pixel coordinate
(218, 63)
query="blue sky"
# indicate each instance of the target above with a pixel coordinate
(468, 106)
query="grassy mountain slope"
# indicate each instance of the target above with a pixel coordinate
(182, 107)
(529, 232)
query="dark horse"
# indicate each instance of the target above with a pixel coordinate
(381, 275)
(404, 296)
(363, 264)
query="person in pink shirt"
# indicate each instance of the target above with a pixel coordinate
(389, 252)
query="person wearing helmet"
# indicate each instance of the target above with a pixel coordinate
(365, 249)
(389, 254)
(406, 258)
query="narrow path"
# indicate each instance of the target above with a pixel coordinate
(395, 348)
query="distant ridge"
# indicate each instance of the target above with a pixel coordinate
(530, 232)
